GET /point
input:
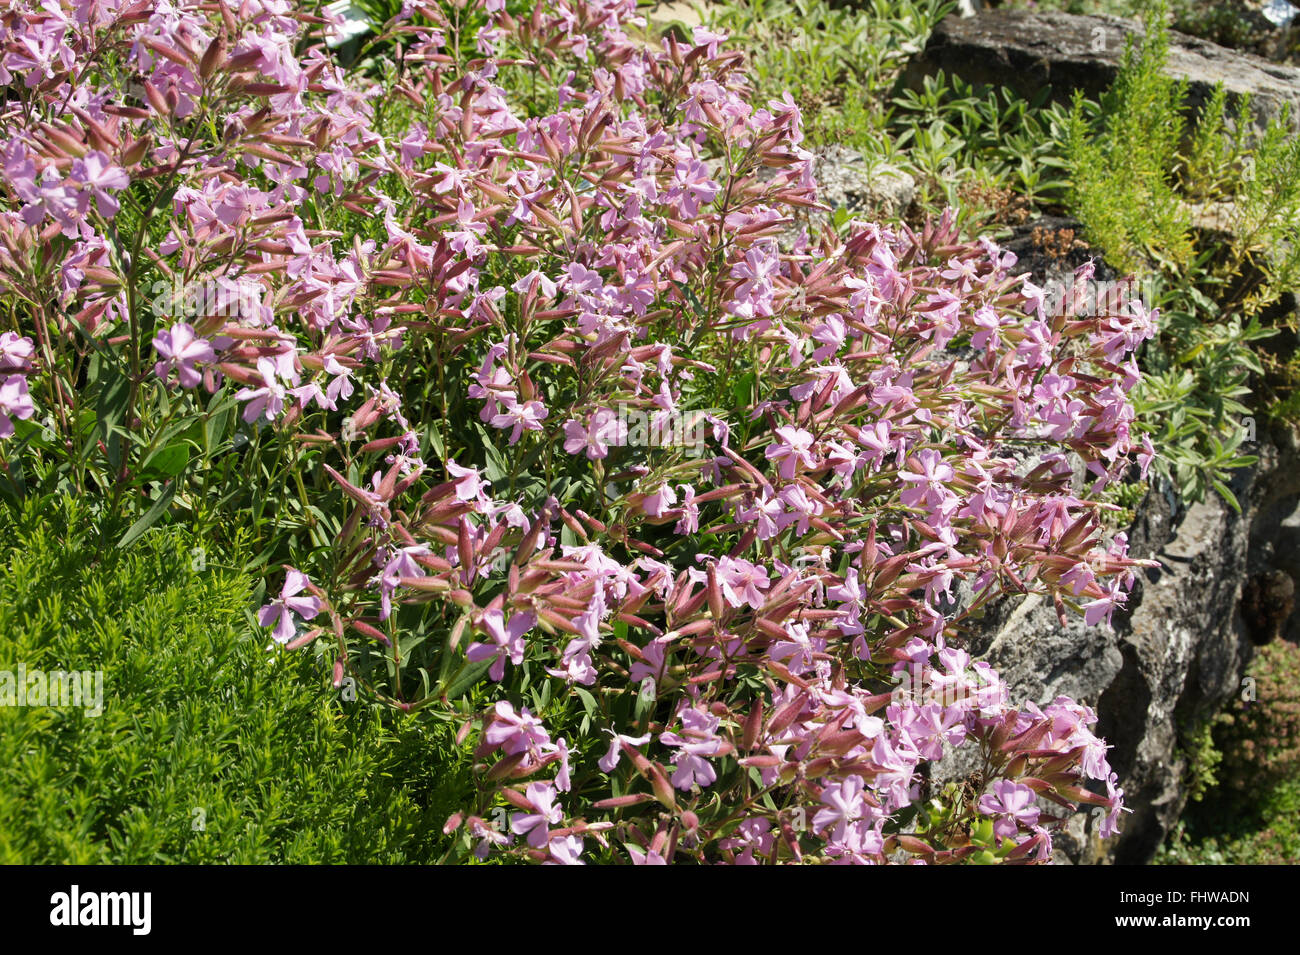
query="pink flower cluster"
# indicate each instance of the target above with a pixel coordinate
(458, 301)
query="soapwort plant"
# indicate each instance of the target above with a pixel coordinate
(470, 258)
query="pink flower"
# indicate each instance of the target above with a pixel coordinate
(470, 485)
(266, 401)
(521, 417)
(506, 641)
(896, 767)
(41, 55)
(1110, 824)
(536, 824)
(15, 402)
(15, 352)
(750, 837)
(791, 451)
(1095, 611)
(535, 281)
(660, 500)
(401, 563)
(696, 741)
(50, 196)
(492, 384)
(97, 175)
(594, 438)
(488, 836)
(800, 650)
(693, 187)
(562, 780)
(340, 387)
(180, 348)
(988, 323)
(516, 732)
(831, 334)
(1146, 456)
(930, 473)
(565, 850)
(844, 806)
(742, 582)
(653, 664)
(279, 612)
(615, 752)
(689, 522)
(768, 515)
(1012, 804)
(645, 857)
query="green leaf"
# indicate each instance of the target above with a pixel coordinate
(1226, 494)
(136, 530)
(214, 427)
(109, 409)
(743, 389)
(495, 466)
(470, 676)
(167, 462)
(588, 701)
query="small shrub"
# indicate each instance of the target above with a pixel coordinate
(1124, 188)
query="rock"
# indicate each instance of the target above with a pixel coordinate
(1184, 652)
(845, 180)
(1216, 220)
(1275, 538)
(1027, 50)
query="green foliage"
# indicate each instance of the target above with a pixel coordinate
(966, 150)
(1203, 759)
(1128, 497)
(1212, 213)
(1191, 399)
(1260, 738)
(1123, 182)
(1265, 221)
(1252, 815)
(1268, 836)
(209, 748)
(838, 62)
(993, 133)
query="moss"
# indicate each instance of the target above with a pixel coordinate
(209, 748)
